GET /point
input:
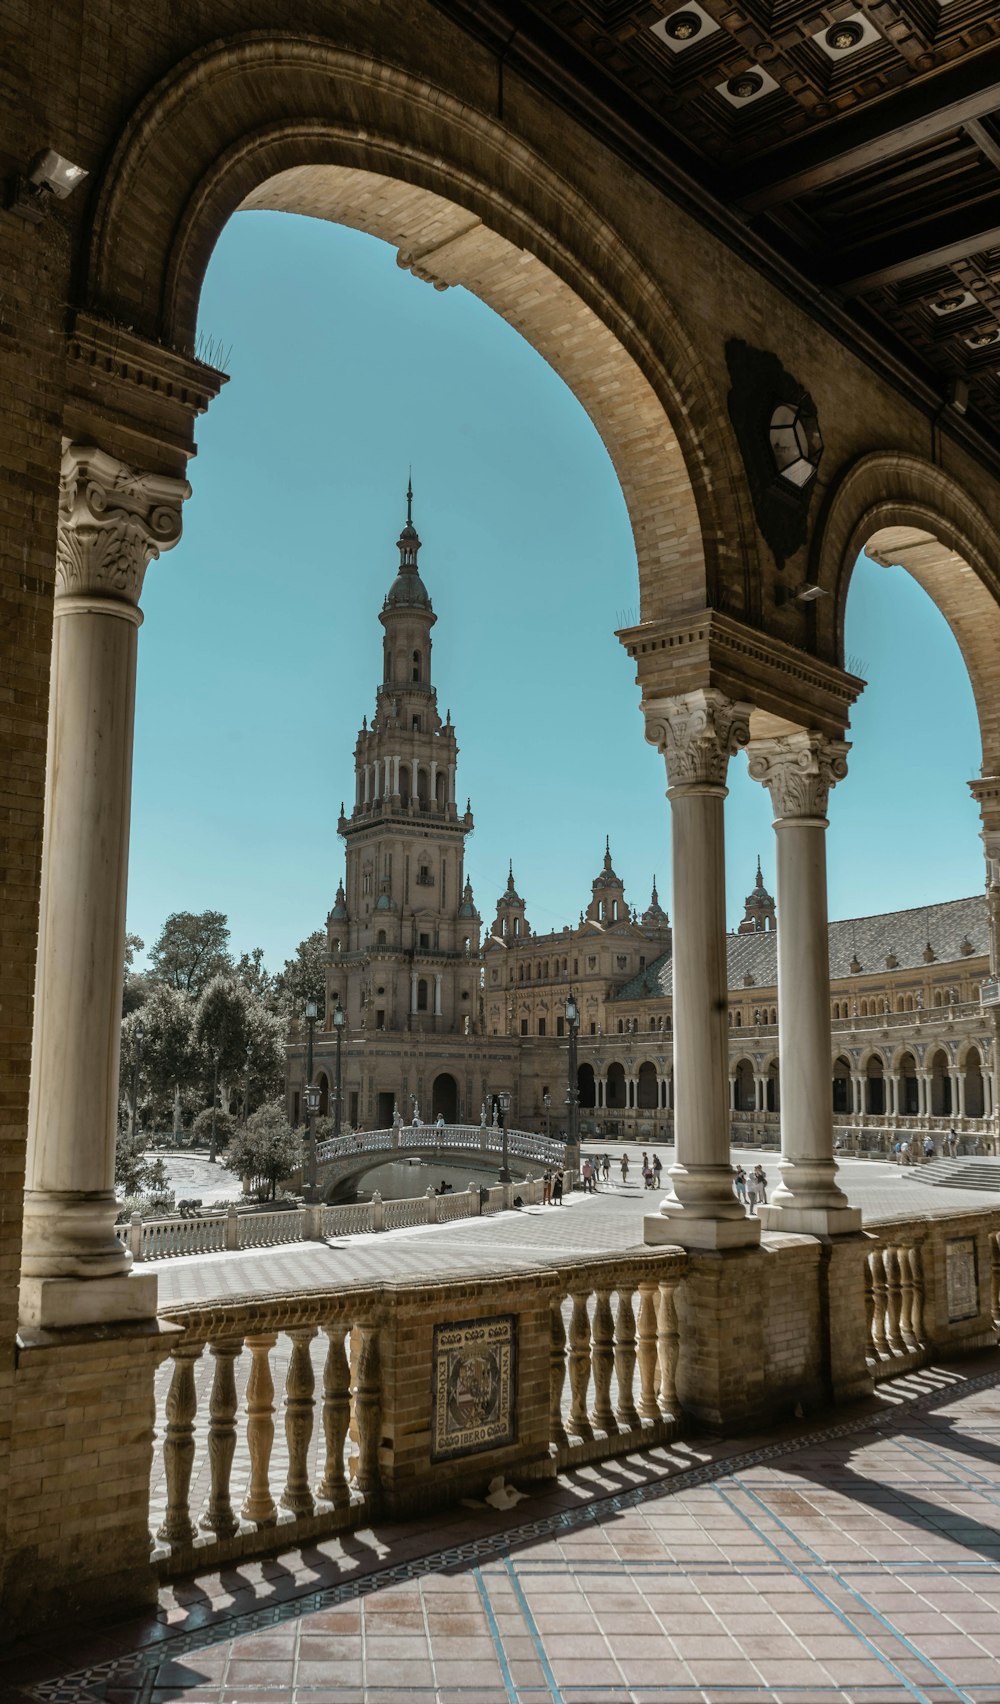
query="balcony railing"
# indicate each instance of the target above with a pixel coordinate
(603, 1336)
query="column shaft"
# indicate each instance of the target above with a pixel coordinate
(798, 770)
(697, 733)
(112, 523)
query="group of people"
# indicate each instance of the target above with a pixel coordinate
(750, 1188)
(594, 1171)
(552, 1189)
(651, 1170)
(903, 1154)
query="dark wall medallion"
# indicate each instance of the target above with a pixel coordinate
(777, 429)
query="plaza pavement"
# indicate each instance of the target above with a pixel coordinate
(856, 1562)
(609, 1221)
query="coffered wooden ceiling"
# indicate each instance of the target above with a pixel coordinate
(855, 143)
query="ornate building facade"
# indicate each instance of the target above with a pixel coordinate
(442, 1016)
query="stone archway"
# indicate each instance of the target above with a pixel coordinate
(647, 1087)
(615, 1096)
(905, 511)
(444, 1098)
(293, 124)
(586, 1086)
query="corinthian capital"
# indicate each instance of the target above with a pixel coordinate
(798, 771)
(112, 523)
(697, 732)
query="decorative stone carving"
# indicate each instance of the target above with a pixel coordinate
(798, 771)
(697, 732)
(112, 523)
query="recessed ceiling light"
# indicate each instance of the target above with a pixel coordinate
(746, 86)
(684, 27)
(952, 302)
(846, 35)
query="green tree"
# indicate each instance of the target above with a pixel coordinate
(304, 975)
(255, 977)
(266, 1150)
(193, 947)
(222, 1032)
(136, 1172)
(170, 1066)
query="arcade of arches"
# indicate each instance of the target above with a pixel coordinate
(652, 301)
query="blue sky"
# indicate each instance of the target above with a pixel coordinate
(261, 649)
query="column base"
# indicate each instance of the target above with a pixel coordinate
(678, 1225)
(58, 1304)
(811, 1221)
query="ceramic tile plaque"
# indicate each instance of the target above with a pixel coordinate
(960, 1275)
(473, 1407)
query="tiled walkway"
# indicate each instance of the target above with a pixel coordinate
(858, 1564)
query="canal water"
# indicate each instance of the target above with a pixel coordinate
(401, 1180)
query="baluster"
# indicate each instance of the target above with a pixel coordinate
(916, 1261)
(668, 1347)
(299, 1386)
(603, 1361)
(333, 1487)
(218, 1515)
(879, 1292)
(892, 1300)
(258, 1504)
(557, 1372)
(366, 1411)
(578, 1423)
(625, 1359)
(649, 1408)
(905, 1297)
(177, 1526)
(869, 1301)
(995, 1277)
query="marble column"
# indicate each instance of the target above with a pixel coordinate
(413, 990)
(112, 523)
(697, 733)
(437, 993)
(798, 769)
(368, 782)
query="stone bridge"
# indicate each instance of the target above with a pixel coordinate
(343, 1160)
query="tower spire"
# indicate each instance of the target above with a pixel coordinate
(409, 499)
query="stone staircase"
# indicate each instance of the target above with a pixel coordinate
(962, 1173)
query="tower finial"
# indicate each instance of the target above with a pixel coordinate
(409, 498)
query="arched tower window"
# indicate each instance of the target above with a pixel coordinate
(416, 665)
(422, 995)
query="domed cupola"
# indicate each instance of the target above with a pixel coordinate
(759, 913)
(510, 918)
(607, 904)
(339, 912)
(654, 916)
(408, 590)
(468, 905)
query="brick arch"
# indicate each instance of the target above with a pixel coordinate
(291, 122)
(905, 511)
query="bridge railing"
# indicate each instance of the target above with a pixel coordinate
(421, 1138)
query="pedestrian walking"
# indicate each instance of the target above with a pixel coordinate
(623, 1162)
(751, 1188)
(760, 1179)
(928, 1147)
(740, 1185)
(557, 1188)
(645, 1162)
(547, 1189)
(606, 1166)
(657, 1169)
(587, 1171)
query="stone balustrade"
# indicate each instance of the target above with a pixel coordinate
(932, 1287)
(162, 1239)
(591, 1373)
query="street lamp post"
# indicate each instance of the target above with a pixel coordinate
(504, 1099)
(215, 1102)
(311, 1102)
(138, 1032)
(339, 1019)
(572, 1087)
(547, 1102)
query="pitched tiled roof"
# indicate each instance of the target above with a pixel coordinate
(903, 934)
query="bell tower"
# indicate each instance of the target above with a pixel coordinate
(404, 933)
